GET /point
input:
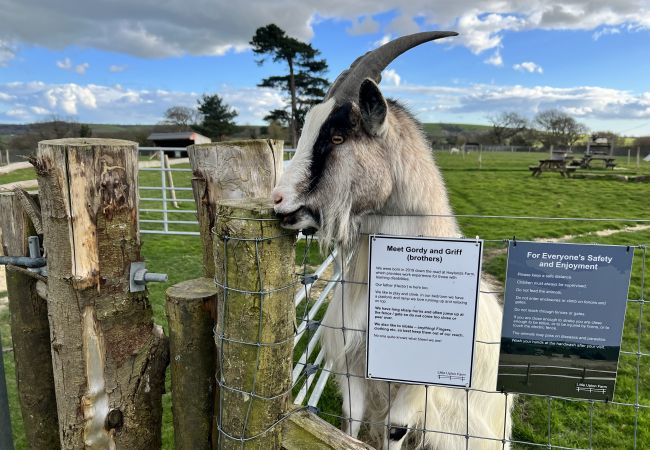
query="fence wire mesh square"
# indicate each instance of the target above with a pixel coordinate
(539, 420)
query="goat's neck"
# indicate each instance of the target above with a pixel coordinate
(418, 188)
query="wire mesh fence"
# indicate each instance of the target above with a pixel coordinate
(539, 420)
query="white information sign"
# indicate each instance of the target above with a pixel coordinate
(422, 309)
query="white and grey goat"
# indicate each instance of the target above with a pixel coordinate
(363, 166)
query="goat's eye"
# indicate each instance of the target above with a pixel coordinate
(337, 139)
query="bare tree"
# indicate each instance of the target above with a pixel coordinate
(506, 125)
(557, 128)
(54, 127)
(181, 116)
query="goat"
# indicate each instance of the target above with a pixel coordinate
(363, 166)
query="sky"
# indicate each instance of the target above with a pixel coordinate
(118, 61)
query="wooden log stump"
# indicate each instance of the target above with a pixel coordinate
(108, 357)
(190, 307)
(228, 170)
(254, 260)
(30, 330)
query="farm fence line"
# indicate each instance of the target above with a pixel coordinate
(314, 284)
(311, 371)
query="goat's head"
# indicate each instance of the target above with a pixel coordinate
(339, 171)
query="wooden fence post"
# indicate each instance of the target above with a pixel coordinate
(108, 357)
(234, 169)
(190, 306)
(254, 260)
(30, 330)
(221, 170)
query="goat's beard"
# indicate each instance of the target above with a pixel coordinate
(339, 226)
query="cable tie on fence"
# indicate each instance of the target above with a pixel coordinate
(313, 409)
(313, 325)
(310, 369)
(309, 279)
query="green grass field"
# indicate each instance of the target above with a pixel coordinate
(500, 185)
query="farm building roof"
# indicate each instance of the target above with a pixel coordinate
(188, 135)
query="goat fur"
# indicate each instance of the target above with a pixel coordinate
(394, 172)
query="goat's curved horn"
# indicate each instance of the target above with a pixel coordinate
(371, 64)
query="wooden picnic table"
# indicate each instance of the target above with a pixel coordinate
(608, 160)
(553, 165)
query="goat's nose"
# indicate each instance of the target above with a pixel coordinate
(277, 198)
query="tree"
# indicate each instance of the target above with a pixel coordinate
(642, 141)
(303, 84)
(85, 130)
(217, 117)
(182, 117)
(557, 128)
(54, 127)
(507, 125)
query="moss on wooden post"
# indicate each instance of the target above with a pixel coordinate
(304, 430)
(227, 170)
(30, 330)
(254, 260)
(108, 357)
(189, 313)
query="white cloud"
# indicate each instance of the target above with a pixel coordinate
(64, 64)
(403, 24)
(116, 68)
(495, 59)
(153, 29)
(384, 40)
(364, 25)
(81, 68)
(608, 108)
(39, 110)
(7, 53)
(390, 76)
(480, 33)
(605, 31)
(528, 66)
(117, 104)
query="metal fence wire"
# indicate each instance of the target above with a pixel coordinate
(545, 421)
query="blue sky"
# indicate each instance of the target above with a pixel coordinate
(116, 61)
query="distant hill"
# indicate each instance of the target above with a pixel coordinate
(441, 128)
(109, 130)
(99, 128)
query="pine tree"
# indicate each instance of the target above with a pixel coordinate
(303, 84)
(217, 117)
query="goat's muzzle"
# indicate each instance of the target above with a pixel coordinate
(300, 219)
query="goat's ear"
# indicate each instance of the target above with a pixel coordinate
(373, 107)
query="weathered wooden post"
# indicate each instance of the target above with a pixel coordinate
(108, 357)
(254, 260)
(190, 309)
(232, 169)
(221, 170)
(30, 330)
(6, 438)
